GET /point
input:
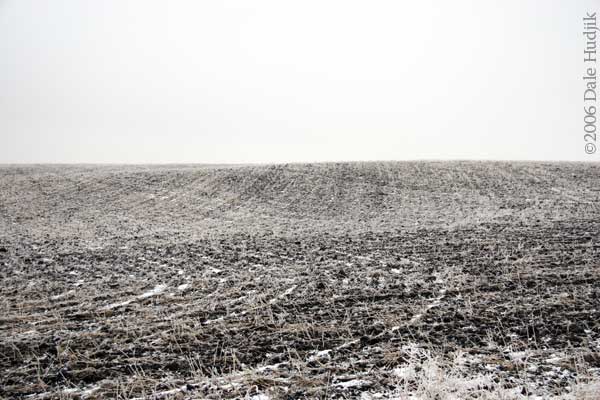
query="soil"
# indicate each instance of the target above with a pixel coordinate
(296, 281)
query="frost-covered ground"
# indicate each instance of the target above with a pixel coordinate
(359, 280)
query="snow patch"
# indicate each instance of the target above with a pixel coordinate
(260, 397)
(213, 321)
(319, 355)
(268, 367)
(59, 296)
(284, 294)
(354, 383)
(553, 360)
(158, 289)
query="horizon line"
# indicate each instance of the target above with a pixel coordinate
(257, 163)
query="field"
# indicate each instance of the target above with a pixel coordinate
(411, 280)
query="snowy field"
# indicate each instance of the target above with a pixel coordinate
(413, 280)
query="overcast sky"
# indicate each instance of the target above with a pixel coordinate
(290, 81)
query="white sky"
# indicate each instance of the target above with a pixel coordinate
(288, 81)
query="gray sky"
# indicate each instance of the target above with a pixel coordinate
(288, 81)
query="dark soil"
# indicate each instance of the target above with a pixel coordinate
(226, 282)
